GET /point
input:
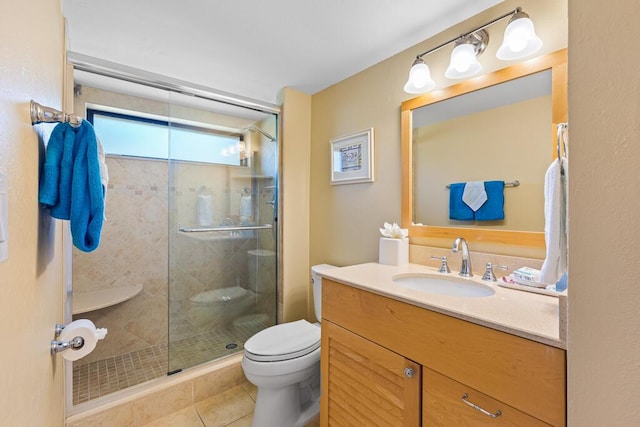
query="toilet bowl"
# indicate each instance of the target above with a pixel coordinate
(283, 362)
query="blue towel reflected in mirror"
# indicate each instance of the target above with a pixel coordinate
(458, 209)
(491, 210)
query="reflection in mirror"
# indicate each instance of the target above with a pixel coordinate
(497, 133)
(496, 127)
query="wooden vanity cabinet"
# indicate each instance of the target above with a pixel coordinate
(369, 384)
(443, 404)
(389, 363)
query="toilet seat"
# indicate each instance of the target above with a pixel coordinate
(283, 342)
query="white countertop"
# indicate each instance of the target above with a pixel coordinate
(528, 315)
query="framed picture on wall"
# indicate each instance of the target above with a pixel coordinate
(352, 158)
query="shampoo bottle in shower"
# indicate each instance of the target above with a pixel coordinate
(204, 207)
(245, 205)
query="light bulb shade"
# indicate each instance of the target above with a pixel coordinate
(520, 39)
(464, 62)
(420, 80)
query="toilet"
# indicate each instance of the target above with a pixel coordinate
(283, 362)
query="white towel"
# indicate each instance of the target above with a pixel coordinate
(104, 171)
(555, 222)
(474, 194)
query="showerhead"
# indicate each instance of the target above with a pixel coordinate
(254, 128)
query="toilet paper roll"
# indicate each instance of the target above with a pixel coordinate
(85, 329)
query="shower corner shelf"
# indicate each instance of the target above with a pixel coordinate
(84, 302)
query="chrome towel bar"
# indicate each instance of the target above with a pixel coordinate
(506, 184)
(225, 228)
(42, 114)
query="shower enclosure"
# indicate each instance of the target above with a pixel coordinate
(186, 270)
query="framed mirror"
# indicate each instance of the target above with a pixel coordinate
(496, 127)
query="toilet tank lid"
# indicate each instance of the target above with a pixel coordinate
(284, 341)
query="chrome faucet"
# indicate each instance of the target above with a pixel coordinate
(465, 268)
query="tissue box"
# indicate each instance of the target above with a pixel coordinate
(393, 251)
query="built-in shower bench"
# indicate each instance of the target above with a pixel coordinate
(84, 302)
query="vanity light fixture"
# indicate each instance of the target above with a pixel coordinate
(420, 80)
(520, 40)
(464, 58)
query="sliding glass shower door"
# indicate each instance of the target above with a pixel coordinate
(187, 265)
(223, 165)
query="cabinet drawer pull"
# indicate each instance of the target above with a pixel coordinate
(408, 372)
(476, 407)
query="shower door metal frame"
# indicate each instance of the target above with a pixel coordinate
(77, 61)
(135, 75)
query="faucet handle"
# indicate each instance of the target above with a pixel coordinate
(444, 267)
(488, 274)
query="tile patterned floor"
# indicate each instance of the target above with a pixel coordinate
(99, 378)
(233, 408)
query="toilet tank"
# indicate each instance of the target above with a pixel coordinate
(317, 287)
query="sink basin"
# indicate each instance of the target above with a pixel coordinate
(443, 285)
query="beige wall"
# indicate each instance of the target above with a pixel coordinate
(295, 199)
(345, 219)
(604, 117)
(32, 57)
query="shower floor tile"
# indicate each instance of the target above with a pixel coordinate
(102, 377)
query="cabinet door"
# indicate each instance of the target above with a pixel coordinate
(364, 384)
(446, 403)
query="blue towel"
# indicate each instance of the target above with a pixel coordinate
(71, 186)
(458, 209)
(493, 208)
(57, 172)
(562, 283)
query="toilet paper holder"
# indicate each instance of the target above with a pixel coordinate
(81, 335)
(60, 346)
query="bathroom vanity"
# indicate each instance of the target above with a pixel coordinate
(397, 356)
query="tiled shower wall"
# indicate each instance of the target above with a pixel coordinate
(135, 249)
(214, 260)
(140, 238)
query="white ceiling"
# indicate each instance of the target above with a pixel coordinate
(254, 48)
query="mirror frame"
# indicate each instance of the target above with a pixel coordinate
(557, 63)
